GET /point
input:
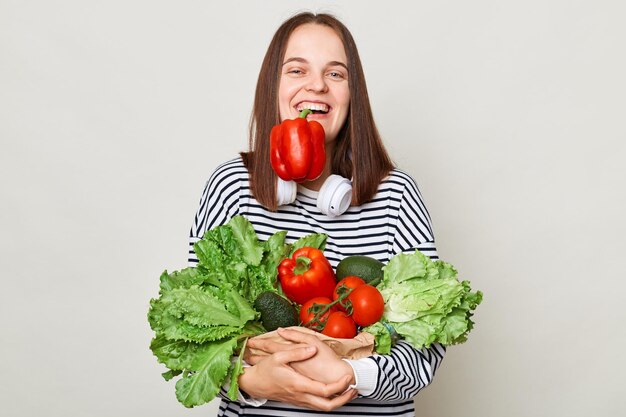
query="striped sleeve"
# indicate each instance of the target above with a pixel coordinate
(218, 204)
(413, 227)
(406, 371)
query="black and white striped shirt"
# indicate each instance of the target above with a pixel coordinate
(395, 221)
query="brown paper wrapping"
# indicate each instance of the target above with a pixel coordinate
(360, 346)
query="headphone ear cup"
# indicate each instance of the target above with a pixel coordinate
(335, 196)
(285, 192)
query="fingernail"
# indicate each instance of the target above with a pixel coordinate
(310, 349)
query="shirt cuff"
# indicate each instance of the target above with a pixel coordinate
(365, 375)
(245, 399)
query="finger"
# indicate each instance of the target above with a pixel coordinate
(294, 355)
(250, 355)
(259, 343)
(297, 336)
(342, 399)
(338, 387)
(306, 385)
(254, 359)
(269, 345)
(253, 340)
(328, 404)
(273, 347)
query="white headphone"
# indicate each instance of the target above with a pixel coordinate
(333, 199)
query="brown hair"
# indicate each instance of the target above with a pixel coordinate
(358, 144)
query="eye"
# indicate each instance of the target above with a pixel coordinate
(295, 71)
(336, 75)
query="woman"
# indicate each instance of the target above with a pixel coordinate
(312, 62)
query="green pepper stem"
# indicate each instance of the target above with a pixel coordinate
(303, 264)
(304, 113)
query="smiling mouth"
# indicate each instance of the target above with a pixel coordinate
(316, 108)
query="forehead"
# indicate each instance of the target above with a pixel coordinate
(313, 40)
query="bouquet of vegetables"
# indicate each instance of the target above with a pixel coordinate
(204, 315)
(411, 298)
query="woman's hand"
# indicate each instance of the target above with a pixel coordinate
(274, 378)
(324, 366)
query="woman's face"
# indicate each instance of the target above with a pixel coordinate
(315, 76)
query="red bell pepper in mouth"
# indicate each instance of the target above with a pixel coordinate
(297, 151)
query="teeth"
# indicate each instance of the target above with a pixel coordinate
(312, 106)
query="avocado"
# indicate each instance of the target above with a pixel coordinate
(276, 311)
(364, 267)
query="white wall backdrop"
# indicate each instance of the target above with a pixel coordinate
(509, 114)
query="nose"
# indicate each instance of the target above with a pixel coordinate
(317, 83)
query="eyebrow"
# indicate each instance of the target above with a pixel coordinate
(304, 61)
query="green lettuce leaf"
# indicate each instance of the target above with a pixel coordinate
(315, 240)
(275, 249)
(239, 306)
(421, 297)
(200, 308)
(184, 278)
(170, 374)
(382, 337)
(210, 254)
(264, 277)
(175, 354)
(194, 315)
(209, 368)
(403, 267)
(251, 248)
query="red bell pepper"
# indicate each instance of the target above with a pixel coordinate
(297, 149)
(307, 274)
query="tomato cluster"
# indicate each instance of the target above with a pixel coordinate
(354, 303)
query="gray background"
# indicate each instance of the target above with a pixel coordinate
(509, 114)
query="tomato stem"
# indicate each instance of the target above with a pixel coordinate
(343, 292)
(375, 282)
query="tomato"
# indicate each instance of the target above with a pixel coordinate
(350, 282)
(340, 326)
(368, 305)
(306, 316)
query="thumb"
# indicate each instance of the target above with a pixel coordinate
(295, 355)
